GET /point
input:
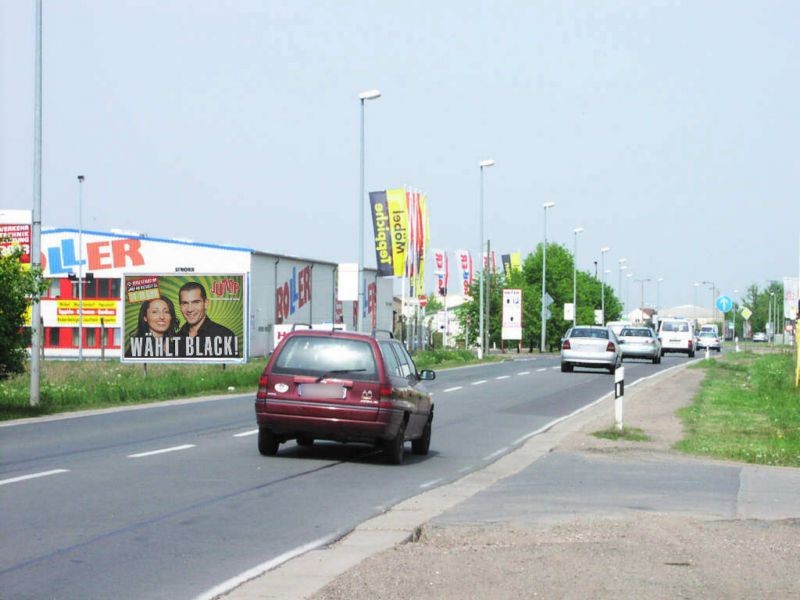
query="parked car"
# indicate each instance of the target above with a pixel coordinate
(640, 342)
(760, 337)
(590, 346)
(676, 335)
(345, 387)
(708, 339)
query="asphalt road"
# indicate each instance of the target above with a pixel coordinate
(169, 501)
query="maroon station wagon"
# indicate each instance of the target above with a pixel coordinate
(346, 387)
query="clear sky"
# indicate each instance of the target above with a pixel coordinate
(668, 130)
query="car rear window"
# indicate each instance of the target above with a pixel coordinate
(589, 333)
(327, 356)
(636, 332)
(668, 326)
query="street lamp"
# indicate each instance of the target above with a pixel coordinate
(484, 164)
(622, 267)
(546, 205)
(363, 97)
(658, 292)
(713, 294)
(603, 251)
(575, 231)
(642, 281)
(627, 294)
(80, 267)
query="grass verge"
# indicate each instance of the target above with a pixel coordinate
(71, 385)
(747, 409)
(631, 434)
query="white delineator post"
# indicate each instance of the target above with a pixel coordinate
(619, 392)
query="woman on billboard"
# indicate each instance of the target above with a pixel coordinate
(156, 330)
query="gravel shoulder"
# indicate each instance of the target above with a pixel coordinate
(643, 554)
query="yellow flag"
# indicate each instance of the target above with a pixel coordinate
(398, 220)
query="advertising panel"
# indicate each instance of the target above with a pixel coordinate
(15, 231)
(184, 318)
(379, 208)
(512, 314)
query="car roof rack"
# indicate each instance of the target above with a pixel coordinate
(384, 332)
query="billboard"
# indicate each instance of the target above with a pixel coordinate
(184, 318)
(512, 314)
(15, 232)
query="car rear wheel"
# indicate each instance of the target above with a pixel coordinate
(691, 353)
(304, 440)
(422, 445)
(566, 368)
(394, 448)
(612, 369)
(656, 359)
(267, 442)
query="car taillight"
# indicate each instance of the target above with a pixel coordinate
(611, 347)
(261, 394)
(565, 345)
(690, 344)
(385, 391)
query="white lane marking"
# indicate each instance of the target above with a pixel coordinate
(465, 469)
(226, 586)
(542, 369)
(453, 389)
(428, 484)
(503, 377)
(554, 422)
(162, 451)
(246, 433)
(554, 368)
(497, 453)
(480, 381)
(33, 476)
(523, 373)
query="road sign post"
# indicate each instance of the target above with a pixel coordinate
(619, 392)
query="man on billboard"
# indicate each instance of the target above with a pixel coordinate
(201, 335)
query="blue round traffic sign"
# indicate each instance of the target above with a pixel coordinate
(724, 303)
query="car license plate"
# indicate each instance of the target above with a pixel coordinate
(322, 391)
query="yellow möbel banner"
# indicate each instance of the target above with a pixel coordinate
(398, 221)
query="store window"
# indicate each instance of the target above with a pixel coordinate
(115, 283)
(76, 333)
(91, 337)
(55, 289)
(54, 335)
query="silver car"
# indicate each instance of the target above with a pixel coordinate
(640, 342)
(590, 346)
(710, 340)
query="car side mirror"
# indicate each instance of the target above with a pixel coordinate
(427, 375)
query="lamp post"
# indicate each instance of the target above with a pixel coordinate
(658, 292)
(546, 205)
(575, 231)
(642, 281)
(80, 267)
(713, 307)
(484, 164)
(622, 267)
(363, 97)
(628, 294)
(735, 293)
(603, 251)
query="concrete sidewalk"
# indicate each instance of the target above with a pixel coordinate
(555, 477)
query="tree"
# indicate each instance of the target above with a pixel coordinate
(18, 285)
(559, 287)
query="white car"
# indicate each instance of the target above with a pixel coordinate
(640, 342)
(590, 346)
(709, 339)
(676, 335)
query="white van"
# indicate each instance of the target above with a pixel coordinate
(676, 335)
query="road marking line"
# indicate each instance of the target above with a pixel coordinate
(503, 377)
(33, 476)
(453, 389)
(497, 453)
(480, 381)
(542, 369)
(226, 586)
(554, 368)
(162, 451)
(523, 373)
(246, 433)
(431, 483)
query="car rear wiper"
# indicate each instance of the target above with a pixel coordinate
(338, 372)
